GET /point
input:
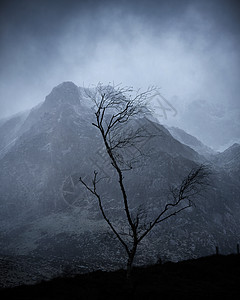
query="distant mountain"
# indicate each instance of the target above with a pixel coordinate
(229, 156)
(187, 139)
(229, 160)
(45, 211)
(57, 140)
(208, 119)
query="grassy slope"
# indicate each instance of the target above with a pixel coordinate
(206, 277)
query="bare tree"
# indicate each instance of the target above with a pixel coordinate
(114, 108)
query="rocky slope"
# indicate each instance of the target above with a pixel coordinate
(191, 141)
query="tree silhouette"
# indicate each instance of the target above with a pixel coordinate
(115, 107)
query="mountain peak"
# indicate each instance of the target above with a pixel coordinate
(66, 92)
(232, 148)
(235, 145)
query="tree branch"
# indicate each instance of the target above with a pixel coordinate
(196, 179)
(94, 192)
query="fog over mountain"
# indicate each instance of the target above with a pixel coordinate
(48, 219)
(189, 49)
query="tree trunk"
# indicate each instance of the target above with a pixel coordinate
(131, 256)
(129, 266)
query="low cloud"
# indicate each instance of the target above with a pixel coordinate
(190, 51)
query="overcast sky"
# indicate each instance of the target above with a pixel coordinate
(190, 49)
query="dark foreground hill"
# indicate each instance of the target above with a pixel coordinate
(207, 277)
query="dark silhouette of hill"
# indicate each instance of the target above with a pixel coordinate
(207, 277)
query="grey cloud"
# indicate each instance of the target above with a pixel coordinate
(188, 48)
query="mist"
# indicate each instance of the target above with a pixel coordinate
(190, 50)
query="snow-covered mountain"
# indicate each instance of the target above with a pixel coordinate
(45, 211)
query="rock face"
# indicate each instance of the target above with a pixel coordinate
(52, 143)
(65, 93)
(46, 212)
